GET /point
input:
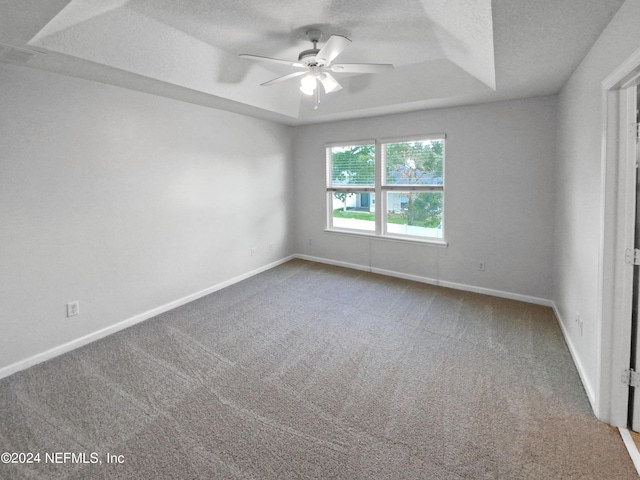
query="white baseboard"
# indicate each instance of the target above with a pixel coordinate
(486, 291)
(337, 263)
(631, 447)
(92, 337)
(576, 359)
(79, 342)
(433, 281)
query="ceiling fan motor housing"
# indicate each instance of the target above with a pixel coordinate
(308, 57)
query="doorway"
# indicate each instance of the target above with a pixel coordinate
(615, 400)
(618, 402)
(634, 391)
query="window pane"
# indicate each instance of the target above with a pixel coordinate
(414, 213)
(414, 163)
(352, 165)
(353, 210)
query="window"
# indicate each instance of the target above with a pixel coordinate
(389, 188)
(351, 187)
(413, 186)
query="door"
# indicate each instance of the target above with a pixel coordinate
(634, 392)
(364, 200)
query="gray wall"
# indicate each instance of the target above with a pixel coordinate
(131, 203)
(499, 197)
(579, 224)
(125, 202)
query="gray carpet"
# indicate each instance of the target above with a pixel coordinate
(313, 371)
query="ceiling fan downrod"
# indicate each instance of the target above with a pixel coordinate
(314, 37)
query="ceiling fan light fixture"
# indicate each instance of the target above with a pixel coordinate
(329, 83)
(316, 65)
(308, 84)
(307, 91)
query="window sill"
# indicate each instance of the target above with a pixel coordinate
(389, 238)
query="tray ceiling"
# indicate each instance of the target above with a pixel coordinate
(445, 52)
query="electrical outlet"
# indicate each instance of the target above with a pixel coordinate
(73, 308)
(270, 246)
(481, 265)
(253, 251)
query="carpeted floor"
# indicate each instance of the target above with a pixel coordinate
(313, 371)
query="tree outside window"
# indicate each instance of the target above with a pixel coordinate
(410, 188)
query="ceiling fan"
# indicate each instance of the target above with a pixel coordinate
(315, 65)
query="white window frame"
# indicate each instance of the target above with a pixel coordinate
(350, 188)
(380, 189)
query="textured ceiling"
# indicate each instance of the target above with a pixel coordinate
(445, 52)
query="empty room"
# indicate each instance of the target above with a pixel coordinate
(350, 240)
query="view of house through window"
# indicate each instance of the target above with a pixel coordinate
(352, 186)
(404, 200)
(414, 184)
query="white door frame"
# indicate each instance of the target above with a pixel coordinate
(617, 223)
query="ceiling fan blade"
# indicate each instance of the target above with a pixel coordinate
(329, 83)
(361, 67)
(332, 48)
(283, 78)
(272, 60)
